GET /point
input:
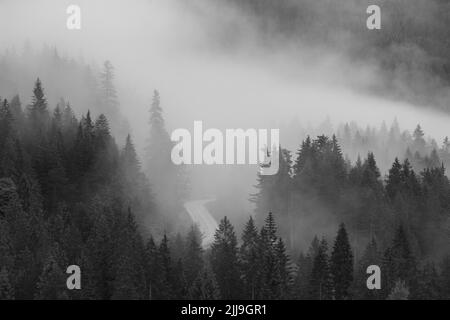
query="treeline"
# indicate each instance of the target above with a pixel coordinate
(386, 142)
(259, 267)
(320, 183)
(88, 86)
(337, 274)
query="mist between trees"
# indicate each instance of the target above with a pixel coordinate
(70, 195)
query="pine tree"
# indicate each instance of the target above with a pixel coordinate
(99, 253)
(130, 160)
(129, 275)
(109, 93)
(167, 179)
(446, 145)
(17, 113)
(398, 263)
(250, 260)
(304, 269)
(205, 286)
(371, 217)
(320, 285)
(193, 255)
(101, 131)
(283, 271)
(304, 156)
(274, 194)
(341, 265)
(394, 179)
(419, 141)
(167, 269)
(270, 228)
(153, 272)
(371, 171)
(37, 112)
(159, 145)
(224, 261)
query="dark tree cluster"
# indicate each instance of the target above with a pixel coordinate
(405, 215)
(386, 142)
(88, 86)
(69, 195)
(258, 268)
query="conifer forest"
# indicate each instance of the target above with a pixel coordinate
(96, 102)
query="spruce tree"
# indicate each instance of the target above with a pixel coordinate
(283, 271)
(394, 179)
(250, 260)
(304, 269)
(341, 265)
(205, 286)
(167, 179)
(193, 255)
(155, 283)
(224, 261)
(320, 282)
(399, 263)
(38, 111)
(110, 105)
(167, 290)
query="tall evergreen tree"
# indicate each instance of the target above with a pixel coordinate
(167, 179)
(399, 263)
(38, 111)
(304, 269)
(167, 269)
(320, 283)
(224, 261)
(193, 255)
(205, 286)
(250, 260)
(341, 265)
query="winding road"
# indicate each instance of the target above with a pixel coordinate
(203, 219)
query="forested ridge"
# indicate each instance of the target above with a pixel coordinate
(69, 195)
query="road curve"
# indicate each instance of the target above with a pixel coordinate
(203, 219)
